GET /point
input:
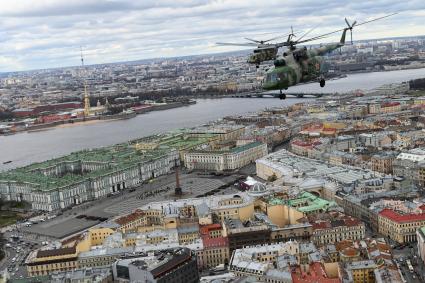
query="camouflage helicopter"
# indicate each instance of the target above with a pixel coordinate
(264, 50)
(298, 65)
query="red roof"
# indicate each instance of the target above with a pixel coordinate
(301, 143)
(321, 225)
(129, 217)
(390, 104)
(351, 222)
(396, 217)
(215, 242)
(315, 274)
(212, 242)
(205, 229)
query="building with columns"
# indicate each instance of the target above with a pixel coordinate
(400, 227)
(85, 175)
(222, 160)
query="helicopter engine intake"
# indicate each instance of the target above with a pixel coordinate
(280, 62)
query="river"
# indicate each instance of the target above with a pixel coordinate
(364, 81)
(25, 148)
(28, 147)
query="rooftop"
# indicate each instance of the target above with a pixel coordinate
(129, 217)
(158, 263)
(213, 202)
(290, 165)
(397, 217)
(67, 170)
(107, 160)
(316, 273)
(307, 202)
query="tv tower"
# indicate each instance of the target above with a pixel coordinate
(86, 95)
(82, 59)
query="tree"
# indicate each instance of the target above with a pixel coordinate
(272, 178)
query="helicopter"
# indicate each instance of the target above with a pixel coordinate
(264, 51)
(300, 65)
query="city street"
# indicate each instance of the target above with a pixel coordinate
(16, 253)
(408, 253)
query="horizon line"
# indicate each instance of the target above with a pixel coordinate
(182, 56)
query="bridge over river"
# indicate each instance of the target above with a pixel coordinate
(276, 95)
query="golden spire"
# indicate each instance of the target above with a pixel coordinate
(86, 101)
(86, 95)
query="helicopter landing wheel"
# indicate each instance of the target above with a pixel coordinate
(282, 95)
(322, 82)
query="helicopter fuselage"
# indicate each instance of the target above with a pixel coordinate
(299, 65)
(261, 55)
(292, 72)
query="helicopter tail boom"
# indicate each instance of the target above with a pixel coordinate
(342, 40)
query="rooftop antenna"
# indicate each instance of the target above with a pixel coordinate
(82, 59)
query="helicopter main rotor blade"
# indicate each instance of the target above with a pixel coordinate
(350, 27)
(376, 19)
(312, 39)
(267, 40)
(276, 37)
(307, 33)
(237, 44)
(253, 40)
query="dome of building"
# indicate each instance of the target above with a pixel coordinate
(257, 190)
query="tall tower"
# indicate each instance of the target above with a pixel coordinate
(177, 190)
(86, 101)
(86, 95)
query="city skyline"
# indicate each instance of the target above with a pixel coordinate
(49, 34)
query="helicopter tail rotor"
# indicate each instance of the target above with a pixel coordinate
(350, 27)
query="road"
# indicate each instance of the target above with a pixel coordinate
(16, 253)
(401, 255)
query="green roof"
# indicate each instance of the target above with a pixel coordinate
(113, 158)
(312, 202)
(244, 147)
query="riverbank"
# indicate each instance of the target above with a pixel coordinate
(78, 121)
(95, 119)
(26, 148)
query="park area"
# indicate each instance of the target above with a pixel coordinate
(8, 218)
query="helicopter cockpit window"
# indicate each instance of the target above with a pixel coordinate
(272, 77)
(283, 76)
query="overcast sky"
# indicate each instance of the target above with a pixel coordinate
(48, 33)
